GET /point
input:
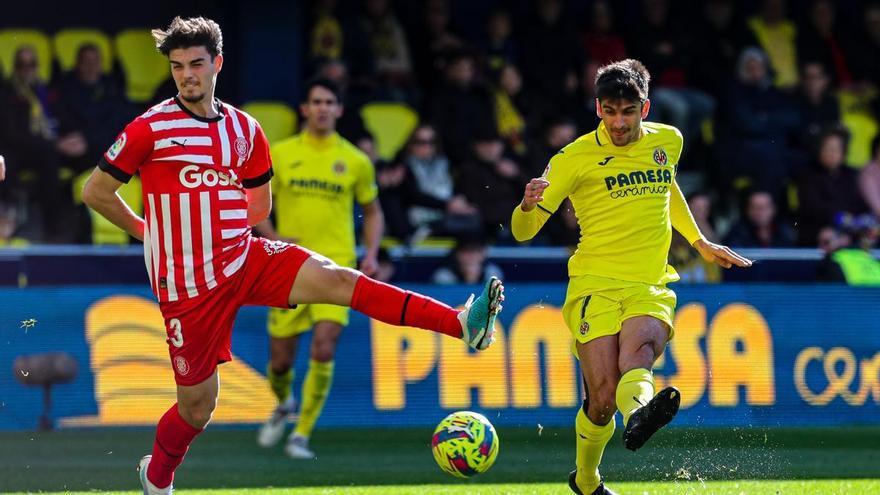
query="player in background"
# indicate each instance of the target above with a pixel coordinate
(620, 179)
(205, 170)
(318, 177)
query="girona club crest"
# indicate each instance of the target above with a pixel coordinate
(660, 156)
(182, 365)
(241, 147)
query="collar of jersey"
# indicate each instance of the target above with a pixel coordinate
(221, 112)
(317, 142)
(603, 138)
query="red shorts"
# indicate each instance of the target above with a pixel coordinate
(200, 329)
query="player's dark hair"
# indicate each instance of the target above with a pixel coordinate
(321, 82)
(190, 32)
(624, 80)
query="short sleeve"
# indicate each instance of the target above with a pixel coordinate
(257, 170)
(131, 149)
(365, 189)
(561, 176)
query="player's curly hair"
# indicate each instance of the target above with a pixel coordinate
(626, 79)
(186, 33)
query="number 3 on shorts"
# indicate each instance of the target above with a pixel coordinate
(177, 339)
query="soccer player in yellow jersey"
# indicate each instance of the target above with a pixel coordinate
(318, 177)
(621, 181)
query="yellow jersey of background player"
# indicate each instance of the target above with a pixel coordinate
(318, 177)
(317, 180)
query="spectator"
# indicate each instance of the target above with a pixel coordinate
(600, 41)
(701, 208)
(556, 136)
(389, 49)
(754, 126)
(821, 41)
(869, 179)
(722, 35)
(355, 96)
(866, 67)
(830, 189)
(663, 48)
(830, 240)
(583, 106)
(467, 265)
(432, 42)
(327, 36)
(500, 47)
(817, 104)
(843, 263)
(28, 135)
(551, 55)
(511, 109)
(91, 108)
(460, 106)
(421, 194)
(491, 181)
(777, 36)
(691, 267)
(760, 228)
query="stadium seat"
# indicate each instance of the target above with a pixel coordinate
(13, 39)
(68, 41)
(145, 68)
(276, 118)
(104, 232)
(390, 124)
(855, 114)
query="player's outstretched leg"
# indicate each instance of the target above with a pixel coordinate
(646, 420)
(387, 303)
(600, 490)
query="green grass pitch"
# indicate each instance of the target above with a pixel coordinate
(227, 461)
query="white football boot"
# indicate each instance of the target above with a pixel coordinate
(273, 429)
(149, 488)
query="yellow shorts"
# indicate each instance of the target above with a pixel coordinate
(597, 306)
(285, 323)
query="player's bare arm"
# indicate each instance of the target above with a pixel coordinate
(2, 168)
(374, 225)
(99, 194)
(259, 203)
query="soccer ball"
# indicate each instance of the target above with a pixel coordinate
(465, 444)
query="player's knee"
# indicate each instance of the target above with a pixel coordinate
(323, 352)
(198, 412)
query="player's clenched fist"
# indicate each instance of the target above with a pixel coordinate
(534, 193)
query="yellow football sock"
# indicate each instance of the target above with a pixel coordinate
(634, 390)
(316, 388)
(280, 384)
(591, 441)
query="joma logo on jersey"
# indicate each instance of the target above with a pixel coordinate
(191, 177)
(638, 177)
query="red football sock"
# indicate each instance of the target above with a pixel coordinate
(173, 436)
(390, 304)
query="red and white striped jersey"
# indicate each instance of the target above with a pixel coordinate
(194, 171)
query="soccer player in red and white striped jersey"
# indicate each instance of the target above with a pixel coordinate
(205, 170)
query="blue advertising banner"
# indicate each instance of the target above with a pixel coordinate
(743, 355)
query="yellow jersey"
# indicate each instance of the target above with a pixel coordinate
(621, 197)
(314, 188)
